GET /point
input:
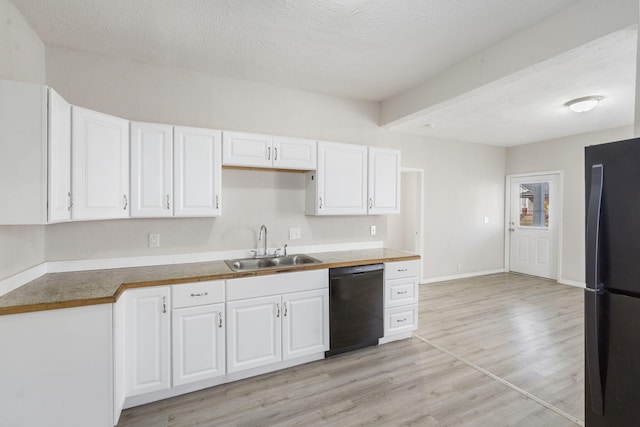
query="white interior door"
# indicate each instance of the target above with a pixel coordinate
(534, 223)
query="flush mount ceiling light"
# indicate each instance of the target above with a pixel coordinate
(584, 104)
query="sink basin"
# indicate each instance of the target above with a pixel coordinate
(252, 264)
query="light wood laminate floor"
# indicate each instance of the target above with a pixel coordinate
(498, 350)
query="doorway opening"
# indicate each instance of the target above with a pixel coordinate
(406, 230)
(533, 213)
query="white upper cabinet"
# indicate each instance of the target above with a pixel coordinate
(59, 159)
(197, 171)
(266, 151)
(23, 162)
(100, 165)
(339, 186)
(247, 149)
(384, 181)
(294, 153)
(151, 170)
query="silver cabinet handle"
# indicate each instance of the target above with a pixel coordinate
(269, 153)
(402, 292)
(285, 309)
(220, 320)
(203, 294)
(164, 304)
(277, 309)
(401, 320)
(320, 203)
(400, 270)
(70, 201)
(275, 153)
(217, 202)
(370, 203)
(126, 202)
(168, 202)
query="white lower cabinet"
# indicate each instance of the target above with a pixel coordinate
(198, 343)
(400, 299)
(147, 326)
(255, 332)
(267, 330)
(275, 326)
(56, 368)
(305, 321)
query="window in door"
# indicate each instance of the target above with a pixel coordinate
(534, 204)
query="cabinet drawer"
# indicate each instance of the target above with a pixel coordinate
(400, 269)
(400, 319)
(198, 293)
(401, 292)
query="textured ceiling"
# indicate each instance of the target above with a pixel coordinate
(364, 49)
(529, 106)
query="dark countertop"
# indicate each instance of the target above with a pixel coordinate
(81, 288)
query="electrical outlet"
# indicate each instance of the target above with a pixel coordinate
(154, 240)
(294, 234)
(373, 230)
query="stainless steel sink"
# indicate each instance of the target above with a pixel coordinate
(252, 264)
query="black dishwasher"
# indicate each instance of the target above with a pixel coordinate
(355, 307)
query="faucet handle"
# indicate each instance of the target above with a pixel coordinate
(254, 253)
(285, 249)
(276, 252)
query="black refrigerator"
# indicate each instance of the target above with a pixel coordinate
(612, 296)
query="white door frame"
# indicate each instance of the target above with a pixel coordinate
(558, 214)
(420, 173)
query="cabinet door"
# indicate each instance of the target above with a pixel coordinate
(23, 141)
(59, 158)
(197, 172)
(384, 181)
(294, 153)
(247, 149)
(198, 343)
(341, 179)
(147, 340)
(254, 335)
(100, 165)
(151, 170)
(305, 323)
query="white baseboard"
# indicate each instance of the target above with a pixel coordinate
(572, 283)
(425, 281)
(17, 280)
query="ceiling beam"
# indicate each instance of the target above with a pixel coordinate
(581, 23)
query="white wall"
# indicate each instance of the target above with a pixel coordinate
(464, 182)
(22, 58)
(566, 154)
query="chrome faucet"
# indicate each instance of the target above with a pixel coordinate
(263, 227)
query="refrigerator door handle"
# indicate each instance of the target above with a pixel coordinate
(592, 350)
(593, 228)
(594, 290)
